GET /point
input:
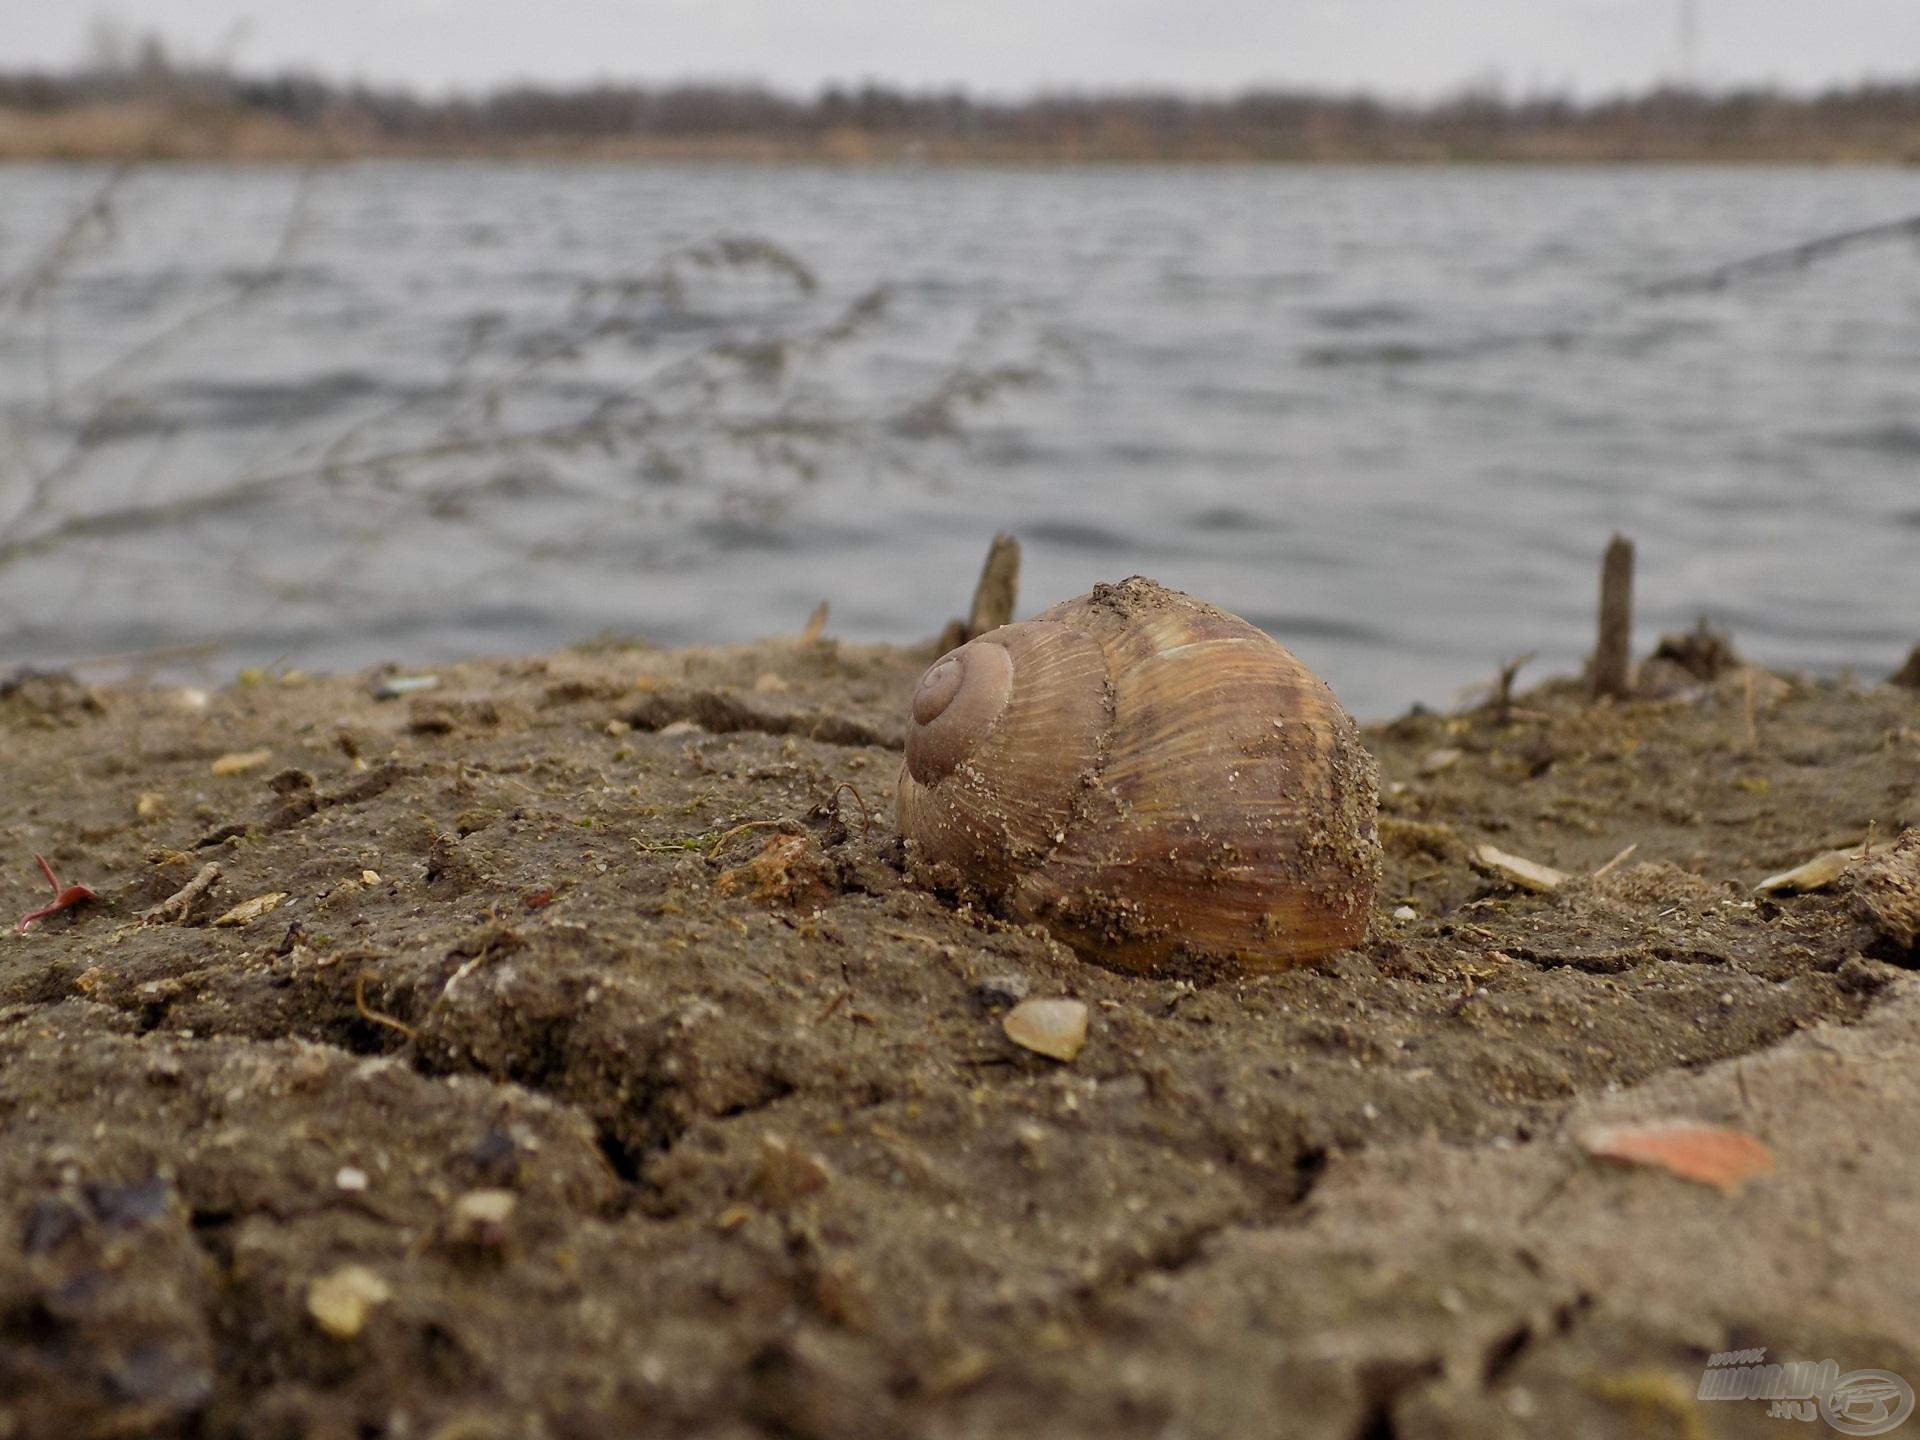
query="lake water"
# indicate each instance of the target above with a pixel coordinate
(420, 410)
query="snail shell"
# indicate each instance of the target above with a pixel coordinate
(1153, 779)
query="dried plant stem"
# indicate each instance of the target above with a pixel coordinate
(994, 597)
(375, 1016)
(1612, 675)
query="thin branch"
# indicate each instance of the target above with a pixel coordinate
(1788, 258)
(44, 274)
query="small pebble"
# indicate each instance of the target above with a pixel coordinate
(341, 1302)
(786, 1173)
(1406, 912)
(351, 1179)
(1860, 976)
(997, 992)
(480, 1218)
(1054, 1028)
(131, 1206)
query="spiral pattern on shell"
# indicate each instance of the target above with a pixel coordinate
(1157, 781)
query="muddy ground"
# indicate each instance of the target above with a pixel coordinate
(772, 1168)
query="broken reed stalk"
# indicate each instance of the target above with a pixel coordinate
(1612, 673)
(1501, 699)
(1909, 673)
(994, 596)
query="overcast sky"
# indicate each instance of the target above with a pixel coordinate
(1401, 47)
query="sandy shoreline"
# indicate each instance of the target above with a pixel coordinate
(149, 131)
(533, 1108)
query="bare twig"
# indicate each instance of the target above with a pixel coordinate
(243, 290)
(178, 907)
(42, 482)
(866, 815)
(737, 831)
(44, 275)
(713, 398)
(1617, 861)
(1788, 258)
(375, 1016)
(1500, 699)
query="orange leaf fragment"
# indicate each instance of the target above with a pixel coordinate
(1704, 1154)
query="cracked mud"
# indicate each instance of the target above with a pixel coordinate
(603, 1049)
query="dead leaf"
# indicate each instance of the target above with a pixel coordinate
(1704, 1154)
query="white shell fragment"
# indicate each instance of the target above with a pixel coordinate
(238, 762)
(1816, 874)
(248, 911)
(340, 1303)
(395, 686)
(1054, 1028)
(1518, 870)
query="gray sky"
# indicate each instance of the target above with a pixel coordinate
(1400, 47)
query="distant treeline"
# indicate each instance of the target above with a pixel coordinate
(144, 104)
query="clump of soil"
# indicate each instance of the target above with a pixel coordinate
(599, 1072)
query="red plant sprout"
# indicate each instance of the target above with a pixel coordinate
(64, 898)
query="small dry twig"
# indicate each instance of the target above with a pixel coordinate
(739, 830)
(1500, 702)
(178, 907)
(377, 1017)
(1617, 861)
(866, 815)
